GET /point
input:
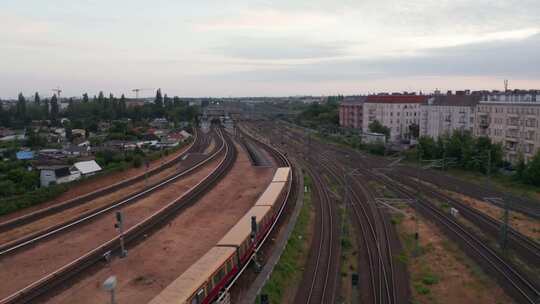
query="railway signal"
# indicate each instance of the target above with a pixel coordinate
(120, 226)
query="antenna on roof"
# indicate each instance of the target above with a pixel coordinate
(505, 85)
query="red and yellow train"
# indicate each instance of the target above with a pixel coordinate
(205, 280)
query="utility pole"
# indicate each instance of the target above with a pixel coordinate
(488, 169)
(504, 228)
(415, 202)
(120, 226)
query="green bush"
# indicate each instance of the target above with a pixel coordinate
(421, 289)
(137, 161)
(14, 203)
(430, 279)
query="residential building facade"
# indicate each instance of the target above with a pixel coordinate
(444, 114)
(397, 112)
(350, 112)
(512, 119)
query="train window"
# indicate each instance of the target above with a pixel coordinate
(199, 297)
(219, 275)
(228, 264)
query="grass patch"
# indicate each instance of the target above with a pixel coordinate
(288, 270)
(502, 182)
(421, 289)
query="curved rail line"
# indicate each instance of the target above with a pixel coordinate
(38, 214)
(379, 250)
(321, 281)
(524, 287)
(33, 238)
(282, 161)
(520, 286)
(323, 260)
(133, 234)
(525, 246)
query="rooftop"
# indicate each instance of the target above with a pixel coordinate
(396, 99)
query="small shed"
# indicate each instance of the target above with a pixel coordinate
(87, 168)
(56, 174)
(373, 138)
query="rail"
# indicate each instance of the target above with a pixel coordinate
(38, 214)
(154, 221)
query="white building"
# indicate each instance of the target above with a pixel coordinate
(55, 175)
(87, 168)
(444, 114)
(397, 112)
(512, 119)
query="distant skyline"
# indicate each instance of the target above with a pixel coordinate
(267, 48)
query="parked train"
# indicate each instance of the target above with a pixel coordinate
(203, 282)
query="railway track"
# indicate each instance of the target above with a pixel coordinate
(59, 207)
(290, 196)
(321, 282)
(518, 285)
(378, 237)
(520, 204)
(134, 234)
(522, 288)
(527, 248)
(31, 239)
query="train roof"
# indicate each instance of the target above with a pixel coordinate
(271, 194)
(242, 229)
(188, 282)
(282, 174)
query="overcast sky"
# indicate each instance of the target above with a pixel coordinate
(270, 48)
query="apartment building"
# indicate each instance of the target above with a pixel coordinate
(512, 119)
(397, 112)
(350, 112)
(444, 114)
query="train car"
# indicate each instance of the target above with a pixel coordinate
(282, 174)
(203, 280)
(239, 236)
(271, 195)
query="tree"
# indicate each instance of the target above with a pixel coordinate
(159, 99)
(55, 110)
(377, 127)
(123, 106)
(167, 102)
(427, 148)
(85, 97)
(21, 107)
(37, 99)
(414, 130)
(532, 172)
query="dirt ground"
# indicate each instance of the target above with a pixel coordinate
(24, 267)
(70, 213)
(157, 261)
(522, 223)
(93, 184)
(443, 273)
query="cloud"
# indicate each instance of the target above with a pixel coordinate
(280, 49)
(508, 58)
(268, 20)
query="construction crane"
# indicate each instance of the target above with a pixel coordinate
(57, 91)
(138, 90)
